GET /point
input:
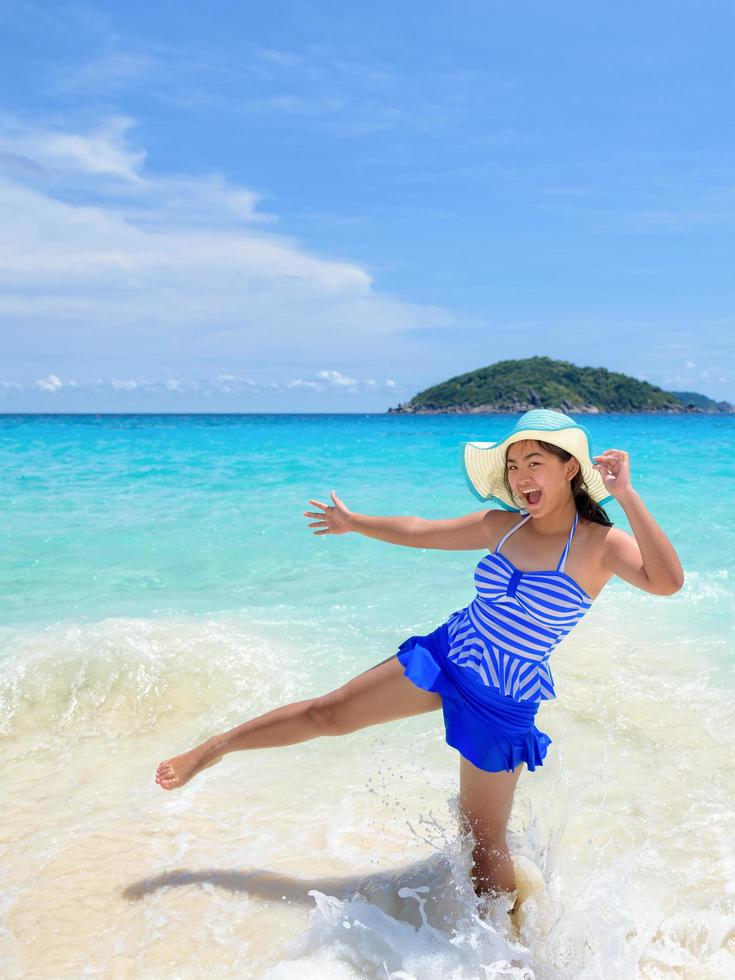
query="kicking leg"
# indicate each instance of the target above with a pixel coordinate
(486, 799)
(382, 693)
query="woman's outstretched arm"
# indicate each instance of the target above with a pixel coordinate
(468, 532)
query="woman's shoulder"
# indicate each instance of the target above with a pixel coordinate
(595, 532)
(599, 540)
(595, 545)
(497, 521)
(502, 519)
(595, 528)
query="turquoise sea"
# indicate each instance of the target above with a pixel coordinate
(160, 583)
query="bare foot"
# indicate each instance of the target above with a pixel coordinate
(175, 773)
(515, 919)
(498, 909)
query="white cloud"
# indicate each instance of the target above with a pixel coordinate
(323, 381)
(51, 383)
(102, 152)
(689, 364)
(336, 379)
(111, 70)
(330, 380)
(150, 260)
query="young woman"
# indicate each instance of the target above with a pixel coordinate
(487, 665)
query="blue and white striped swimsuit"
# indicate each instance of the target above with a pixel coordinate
(507, 633)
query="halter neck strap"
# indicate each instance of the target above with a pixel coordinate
(565, 552)
(508, 533)
(562, 560)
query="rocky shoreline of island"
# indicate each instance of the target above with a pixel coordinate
(568, 409)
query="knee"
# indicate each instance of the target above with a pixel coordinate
(329, 716)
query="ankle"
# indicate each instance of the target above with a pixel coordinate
(216, 746)
(495, 881)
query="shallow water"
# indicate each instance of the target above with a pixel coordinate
(161, 584)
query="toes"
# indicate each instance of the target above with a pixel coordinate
(166, 775)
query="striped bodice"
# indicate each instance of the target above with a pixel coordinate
(515, 621)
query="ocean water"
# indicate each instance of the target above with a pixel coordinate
(160, 583)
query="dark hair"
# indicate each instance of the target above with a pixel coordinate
(586, 506)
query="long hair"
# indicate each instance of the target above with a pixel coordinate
(586, 506)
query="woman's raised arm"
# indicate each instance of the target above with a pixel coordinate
(647, 560)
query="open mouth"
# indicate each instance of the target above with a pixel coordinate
(532, 497)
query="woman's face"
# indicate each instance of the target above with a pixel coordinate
(530, 466)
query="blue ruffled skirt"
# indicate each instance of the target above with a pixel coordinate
(493, 731)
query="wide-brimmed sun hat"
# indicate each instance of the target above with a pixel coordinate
(483, 463)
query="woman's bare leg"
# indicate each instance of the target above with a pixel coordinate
(486, 799)
(382, 693)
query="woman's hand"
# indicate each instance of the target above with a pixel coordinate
(614, 468)
(334, 520)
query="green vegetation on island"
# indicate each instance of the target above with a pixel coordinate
(702, 402)
(541, 382)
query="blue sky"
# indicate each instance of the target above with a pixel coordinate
(330, 206)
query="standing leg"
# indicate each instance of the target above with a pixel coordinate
(486, 799)
(382, 693)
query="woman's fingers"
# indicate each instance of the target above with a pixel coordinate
(326, 520)
(610, 458)
(614, 453)
(613, 467)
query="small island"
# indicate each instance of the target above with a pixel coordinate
(542, 382)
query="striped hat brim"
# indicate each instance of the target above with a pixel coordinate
(483, 463)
